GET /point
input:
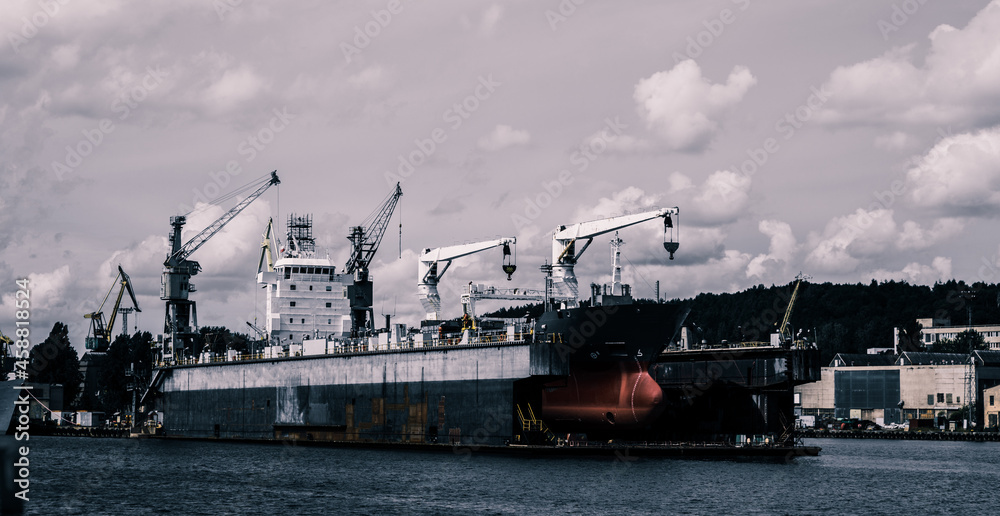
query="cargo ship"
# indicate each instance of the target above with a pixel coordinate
(578, 369)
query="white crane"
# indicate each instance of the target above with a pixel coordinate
(477, 291)
(430, 270)
(564, 254)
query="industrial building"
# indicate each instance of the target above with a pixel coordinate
(933, 331)
(887, 389)
(991, 407)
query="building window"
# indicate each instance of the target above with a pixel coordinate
(930, 399)
(291, 287)
(328, 305)
(940, 397)
(290, 320)
(291, 303)
(991, 401)
(948, 398)
(329, 288)
(329, 321)
(310, 287)
(303, 321)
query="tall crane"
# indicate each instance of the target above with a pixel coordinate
(564, 286)
(181, 317)
(267, 248)
(430, 270)
(365, 240)
(785, 330)
(99, 338)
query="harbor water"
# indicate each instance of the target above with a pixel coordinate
(119, 476)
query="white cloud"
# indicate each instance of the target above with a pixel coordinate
(960, 176)
(721, 199)
(371, 77)
(234, 87)
(916, 273)
(504, 136)
(915, 237)
(684, 108)
(871, 235)
(781, 251)
(958, 81)
(894, 141)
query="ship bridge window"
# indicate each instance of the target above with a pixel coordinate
(326, 270)
(288, 272)
(295, 270)
(309, 271)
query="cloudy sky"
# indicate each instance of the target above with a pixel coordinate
(846, 140)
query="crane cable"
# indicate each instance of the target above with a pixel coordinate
(223, 198)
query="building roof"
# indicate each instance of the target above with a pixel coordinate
(987, 357)
(920, 358)
(861, 359)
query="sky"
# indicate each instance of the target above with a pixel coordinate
(849, 141)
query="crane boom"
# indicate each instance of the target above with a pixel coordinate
(181, 316)
(429, 271)
(179, 253)
(101, 339)
(365, 240)
(564, 253)
(784, 331)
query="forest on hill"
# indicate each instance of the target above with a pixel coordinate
(840, 318)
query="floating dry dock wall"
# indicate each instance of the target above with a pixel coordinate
(457, 393)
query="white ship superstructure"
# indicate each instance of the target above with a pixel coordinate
(306, 298)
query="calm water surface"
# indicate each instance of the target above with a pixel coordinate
(115, 476)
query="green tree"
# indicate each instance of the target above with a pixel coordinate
(126, 353)
(54, 361)
(965, 342)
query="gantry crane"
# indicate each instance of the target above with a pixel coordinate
(564, 286)
(476, 291)
(365, 240)
(180, 324)
(99, 337)
(430, 269)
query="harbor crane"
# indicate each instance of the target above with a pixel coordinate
(561, 274)
(434, 263)
(365, 240)
(180, 325)
(785, 330)
(99, 337)
(476, 291)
